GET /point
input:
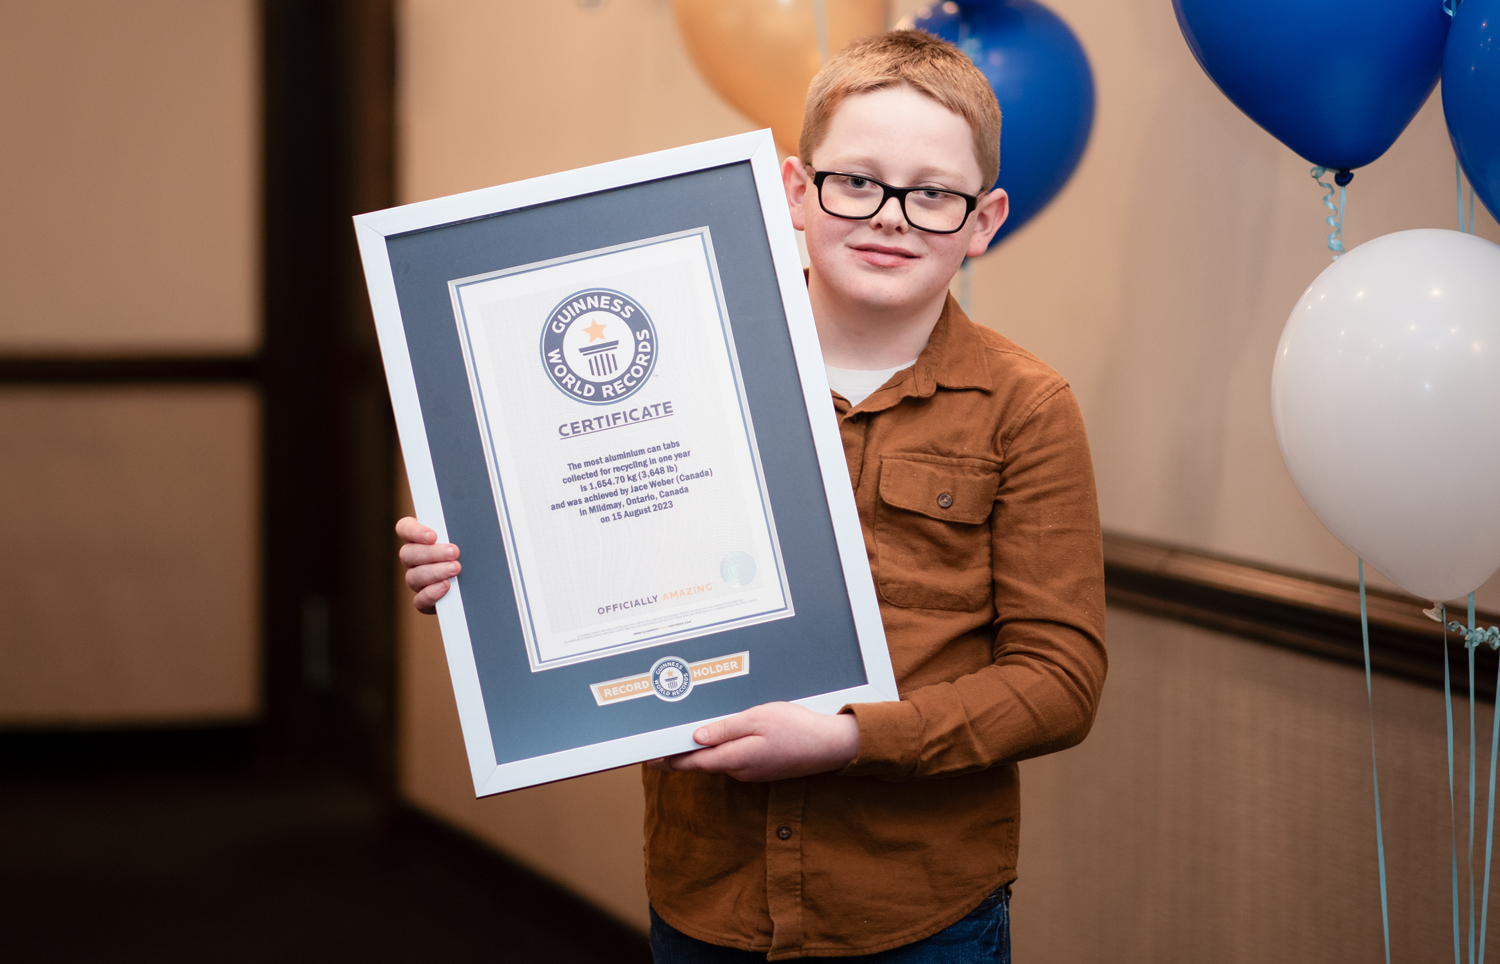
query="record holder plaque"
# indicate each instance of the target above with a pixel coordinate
(610, 396)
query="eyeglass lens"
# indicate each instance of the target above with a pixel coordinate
(846, 196)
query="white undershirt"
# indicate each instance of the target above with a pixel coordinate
(857, 385)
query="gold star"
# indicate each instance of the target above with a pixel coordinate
(595, 330)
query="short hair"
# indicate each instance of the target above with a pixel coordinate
(907, 58)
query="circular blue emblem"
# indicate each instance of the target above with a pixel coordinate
(598, 346)
(738, 569)
(671, 678)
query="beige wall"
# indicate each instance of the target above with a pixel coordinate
(1222, 811)
(129, 555)
(129, 144)
(493, 92)
(1157, 283)
(129, 136)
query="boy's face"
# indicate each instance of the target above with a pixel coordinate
(905, 139)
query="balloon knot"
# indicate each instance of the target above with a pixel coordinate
(1336, 219)
(1343, 177)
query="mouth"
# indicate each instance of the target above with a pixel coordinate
(883, 256)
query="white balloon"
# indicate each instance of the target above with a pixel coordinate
(1386, 399)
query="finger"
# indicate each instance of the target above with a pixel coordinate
(729, 728)
(416, 554)
(410, 530)
(730, 758)
(420, 577)
(426, 600)
(681, 761)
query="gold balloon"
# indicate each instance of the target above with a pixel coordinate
(761, 54)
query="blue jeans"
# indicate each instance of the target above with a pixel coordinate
(983, 937)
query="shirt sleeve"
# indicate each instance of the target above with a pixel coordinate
(1041, 691)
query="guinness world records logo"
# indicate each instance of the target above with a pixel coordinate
(671, 678)
(598, 346)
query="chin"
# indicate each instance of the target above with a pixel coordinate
(888, 288)
(886, 296)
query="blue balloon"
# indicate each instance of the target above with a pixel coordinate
(1042, 79)
(1471, 95)
(1337, 81)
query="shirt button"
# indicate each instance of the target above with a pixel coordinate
(945, 500)
(784, 832)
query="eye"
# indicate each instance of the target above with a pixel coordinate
(858, 182)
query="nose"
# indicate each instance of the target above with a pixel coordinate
(890, 215)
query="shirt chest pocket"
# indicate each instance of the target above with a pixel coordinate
(932, 533)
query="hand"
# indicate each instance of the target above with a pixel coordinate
(775, 741)
(429, 565)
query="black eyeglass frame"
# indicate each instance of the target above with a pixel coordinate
(899, 193)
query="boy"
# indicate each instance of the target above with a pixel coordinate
(890, 829)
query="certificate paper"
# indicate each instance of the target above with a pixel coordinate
(620, 449)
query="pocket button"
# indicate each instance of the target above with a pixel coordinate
(945, 500)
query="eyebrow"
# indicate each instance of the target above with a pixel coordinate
(923, 174)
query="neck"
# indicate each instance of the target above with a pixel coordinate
(862, 337)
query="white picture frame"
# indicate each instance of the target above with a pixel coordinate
(569, 195)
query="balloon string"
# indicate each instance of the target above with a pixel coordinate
(1452, 807)
(1474, 637)
(1489, 829)
(1364, 629)
(1464, 224)
(1458, 182)
(1336, 219)
(1490, 819)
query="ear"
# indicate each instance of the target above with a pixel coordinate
(795, 180)
(989, 214)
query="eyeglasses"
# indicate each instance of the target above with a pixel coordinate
(858, 198)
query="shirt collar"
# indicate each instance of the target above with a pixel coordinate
(954, 358)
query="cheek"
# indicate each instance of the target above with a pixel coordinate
(824, 232)
(948, 248)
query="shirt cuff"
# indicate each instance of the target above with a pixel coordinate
(889, 737)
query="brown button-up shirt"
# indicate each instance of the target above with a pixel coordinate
(975, 490)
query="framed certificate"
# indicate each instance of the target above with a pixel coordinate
(610, 395)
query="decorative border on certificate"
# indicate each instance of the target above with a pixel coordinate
(615, 427)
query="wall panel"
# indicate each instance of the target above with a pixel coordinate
(129, 138)
(129, 555)
(1222, 810)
